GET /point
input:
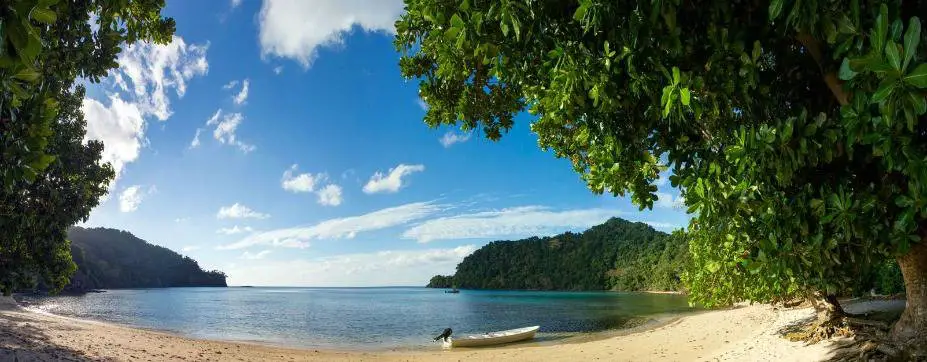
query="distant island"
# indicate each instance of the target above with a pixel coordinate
(617, 255)
(110, 259)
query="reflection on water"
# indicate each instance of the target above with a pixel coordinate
(359, 317)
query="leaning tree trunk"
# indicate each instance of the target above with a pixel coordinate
(911, 329)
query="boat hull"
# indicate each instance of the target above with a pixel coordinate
(495, 338)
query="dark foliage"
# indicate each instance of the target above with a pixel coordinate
(108, 258)
(441, 281)
(617, 255)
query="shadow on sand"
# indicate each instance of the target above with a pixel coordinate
(21, 341)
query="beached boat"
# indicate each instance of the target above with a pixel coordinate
(493, 338)
(452, 291)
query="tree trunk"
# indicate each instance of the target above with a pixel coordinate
(828, 308)
(911, 329)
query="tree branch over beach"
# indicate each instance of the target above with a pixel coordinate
(793, 129)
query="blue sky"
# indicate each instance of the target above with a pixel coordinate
(277, 141)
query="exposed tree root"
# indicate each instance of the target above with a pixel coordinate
(821, 330)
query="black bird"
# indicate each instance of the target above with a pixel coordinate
(444, 335)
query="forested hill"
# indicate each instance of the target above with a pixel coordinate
(109, 258)
(616, 255)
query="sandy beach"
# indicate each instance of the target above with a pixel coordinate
(743, 333)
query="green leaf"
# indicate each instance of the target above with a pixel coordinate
(44, 16)
(917, 102)
(884, 91)
(675, 75)
(911, 39)
(845, 72)
(892, 55)
(880, 31)
(897, 25)
(917, 77)
(580, 13)
(27, 74)
(456, 21)
(684, 96)
(775, 8)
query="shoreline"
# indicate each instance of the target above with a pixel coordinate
(744, 332)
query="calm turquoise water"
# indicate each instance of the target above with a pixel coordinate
(372, 318)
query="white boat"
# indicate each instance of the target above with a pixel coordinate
(491, 338)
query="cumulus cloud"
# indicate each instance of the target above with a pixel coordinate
(255, 256)
(120, 127)
(278, 69)
(295, 29)
(234, 230)
(242, 95)
(346, 227)
(226, 126)
(451, 137)
(231, 84)
(667, 201)
(391, 181)
(330, 195)
(132, 196)
(388, 267)
(511, 222)
(239, 211)
(300, 182)
(141, 85)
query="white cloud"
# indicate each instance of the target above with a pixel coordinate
(196, 138)
(239, 211)
(296, 29)
(662, 225)
(512, 222)
(278, 69)
(132, 196)
(347, 227)
(231, 84)
(181, 219)
(242, 95)
(667, 201)
(451, 137)
(234, 230)
(383, 268)
(121, 128)
(255, 256)
(303, 182)
(421, 104)
(145, 75)
(226, 126)
(392, 181)
(155, 68)
(330, 195)
(189, 248)
(235, 3)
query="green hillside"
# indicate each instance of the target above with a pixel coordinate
(617, 255)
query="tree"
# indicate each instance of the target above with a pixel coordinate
(793, 128)
(51, 178)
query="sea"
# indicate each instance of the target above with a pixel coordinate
(386, 318)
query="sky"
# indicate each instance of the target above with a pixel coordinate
(276, 141)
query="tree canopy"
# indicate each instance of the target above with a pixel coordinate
(793, 128)
(52, 178)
